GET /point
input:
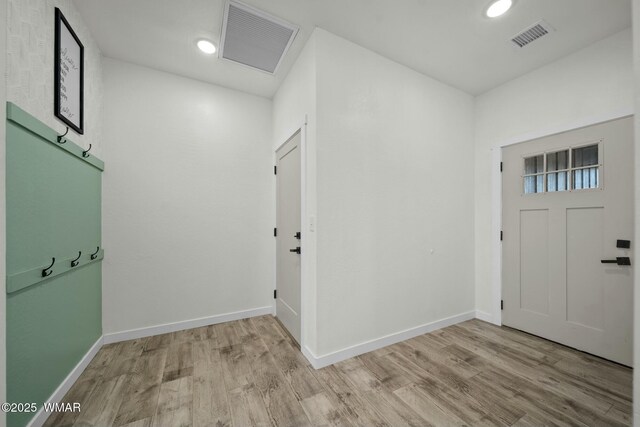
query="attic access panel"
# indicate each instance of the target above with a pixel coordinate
(255, 38)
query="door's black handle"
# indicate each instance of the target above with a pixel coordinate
(621, 260)
(296, 250)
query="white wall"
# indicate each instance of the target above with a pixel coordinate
(188, 210)
(394, 182)
(3, 210)
(295, 102)
(591, 85)
(30, 66)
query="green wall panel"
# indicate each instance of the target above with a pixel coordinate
(53, 210)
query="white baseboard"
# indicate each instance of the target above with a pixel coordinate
(337, 356)
(41, 416)
(185, 324)
(483, 315)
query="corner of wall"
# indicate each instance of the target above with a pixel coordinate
(294, 106)
(3, 99)
(636, 280)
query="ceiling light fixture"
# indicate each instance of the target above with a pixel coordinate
(206, 46)
(498, 8)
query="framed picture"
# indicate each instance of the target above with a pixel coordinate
(69, 75)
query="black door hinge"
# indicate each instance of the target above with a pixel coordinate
(275, 293)
(501, 235)
(275, 232)
(500, 166)
(275, 170)
(501, 304)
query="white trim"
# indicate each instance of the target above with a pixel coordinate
(41, 416)
(496, 190)
(484, 316)
(304, 258)
(319, 362)
(185, 324)
(496, 246)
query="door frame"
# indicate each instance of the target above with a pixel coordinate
(304, 259)
(495, 316)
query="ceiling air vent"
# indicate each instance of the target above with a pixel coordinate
(534, 32)
(255, 38)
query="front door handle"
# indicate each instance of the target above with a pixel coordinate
(296, 250)
(621, 260)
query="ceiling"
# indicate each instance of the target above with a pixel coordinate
(449, 40)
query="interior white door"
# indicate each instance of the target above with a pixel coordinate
(567, 200)
(288, 237)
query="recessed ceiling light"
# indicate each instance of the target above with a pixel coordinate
(498, 7)
(206, 46)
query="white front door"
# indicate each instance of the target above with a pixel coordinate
(567, 207)
(288, 238)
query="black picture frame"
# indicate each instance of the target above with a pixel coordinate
(75, 119)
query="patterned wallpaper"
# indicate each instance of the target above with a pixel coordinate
(30, 44)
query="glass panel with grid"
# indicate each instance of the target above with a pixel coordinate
(534, 174)
(558, 171)
(586, 170)
(563, 170)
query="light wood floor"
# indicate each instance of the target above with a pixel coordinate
(247, 373)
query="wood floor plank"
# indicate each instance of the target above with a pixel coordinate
(250, 373)
(539, 353)
(80, 392)
(437, 353)
(622, 416)
(235, 367)
(195, 334)
(322, 412)
(546, 376)
(103, 361)
(131, 348)
(158, 341)
(179, 361)
(210, 402)
(392, 409)
(104, 405)
(175, 394)
(501, 350)
(389, 375)
(180, 417)
(143, 387)
(424, 406)
(358, 411)
(595, 377)
(120, 366)
(453, 379)
(226, 334)
(546, 400)
(245, 330)
(280, 400)
(146, 422)
(247, 407)
(512, 335)
(288, 358)
(447, 398)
